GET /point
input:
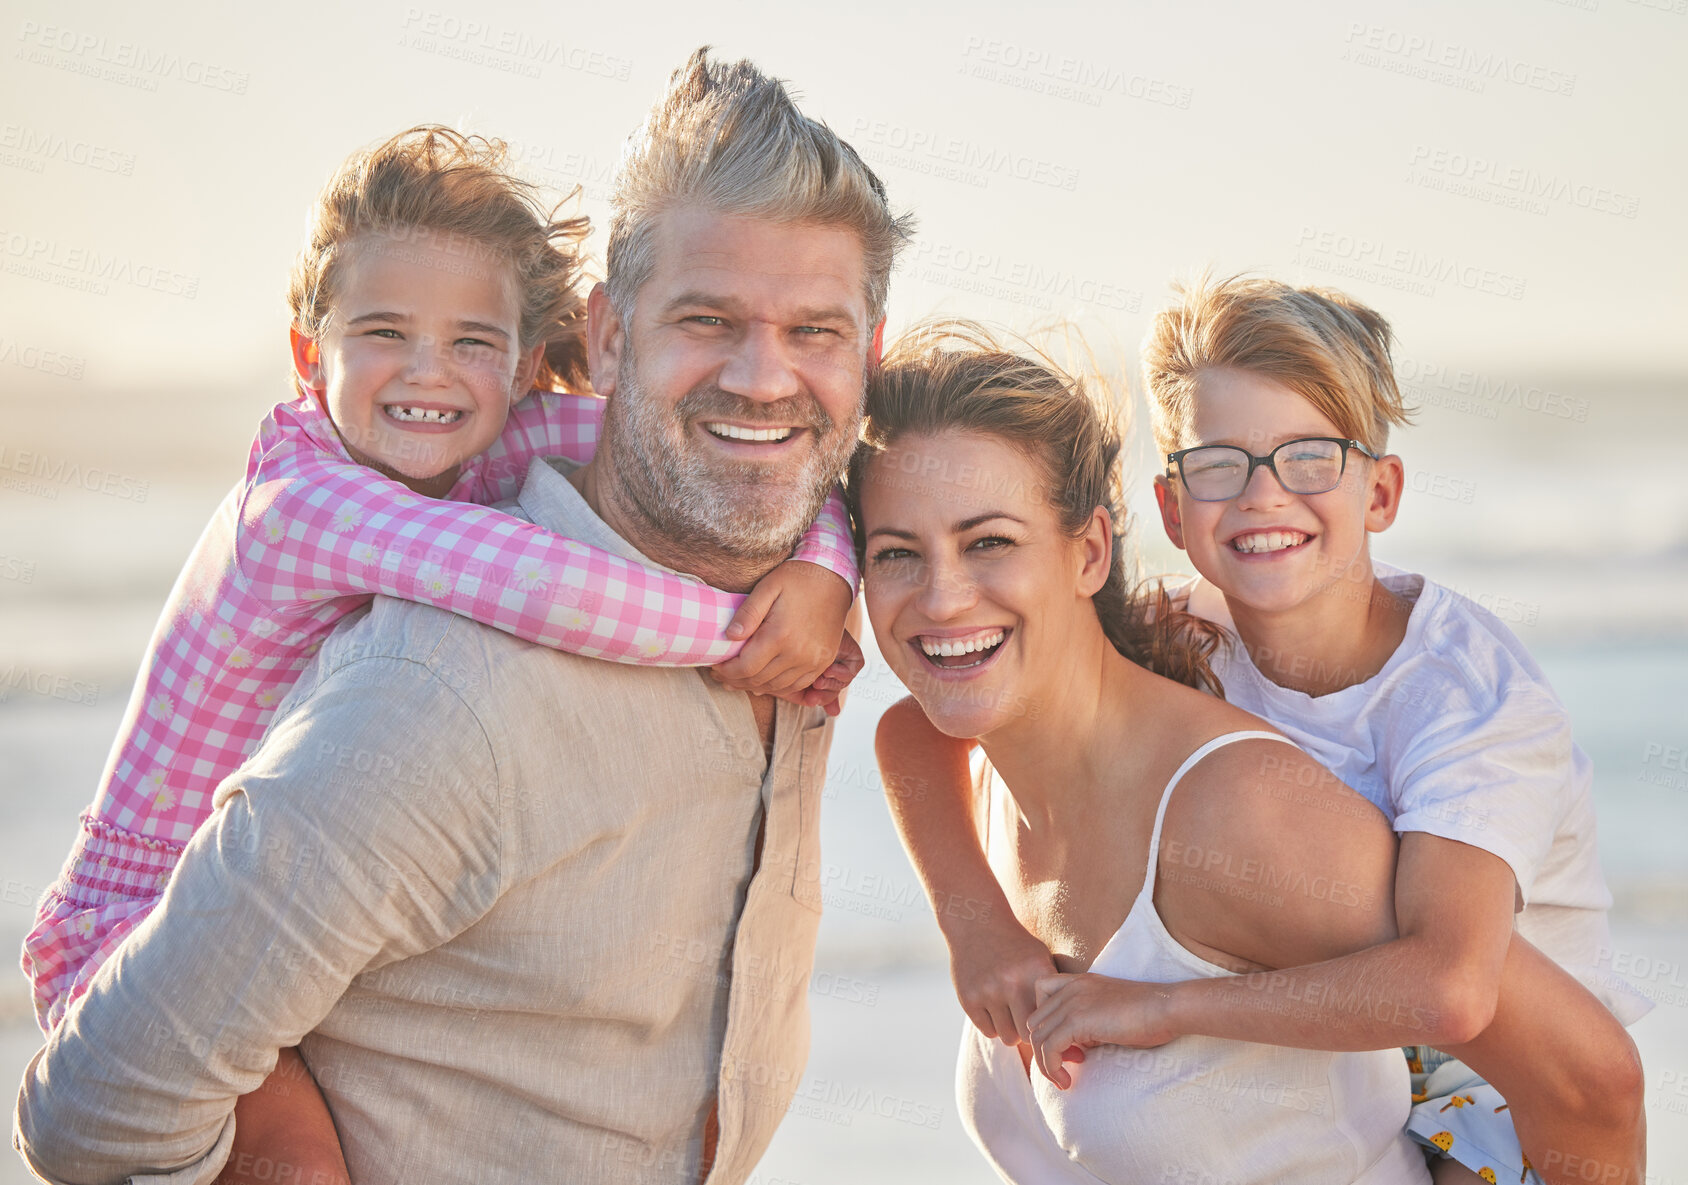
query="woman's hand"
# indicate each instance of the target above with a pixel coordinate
(1078, 1012)
(996, 970)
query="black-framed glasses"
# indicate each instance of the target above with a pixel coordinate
(1219, 472)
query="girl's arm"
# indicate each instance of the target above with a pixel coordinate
(563, 424)
(995, 963)
(319, 527)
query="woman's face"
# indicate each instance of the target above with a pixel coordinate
(980, 603)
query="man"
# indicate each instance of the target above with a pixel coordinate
(526, 913)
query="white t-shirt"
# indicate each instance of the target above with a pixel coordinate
(1459, 735)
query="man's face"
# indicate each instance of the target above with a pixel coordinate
(736, 385)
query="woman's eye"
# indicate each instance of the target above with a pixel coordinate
(990, 543)
(389, 334)
(890, 554)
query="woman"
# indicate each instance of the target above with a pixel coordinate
(987, 492)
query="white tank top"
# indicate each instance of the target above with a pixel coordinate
(1197, 1109)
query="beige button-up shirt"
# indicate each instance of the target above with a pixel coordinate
(503, 899)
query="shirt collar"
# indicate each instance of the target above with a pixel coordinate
(548, 499)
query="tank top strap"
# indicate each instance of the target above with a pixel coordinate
(1190, 762)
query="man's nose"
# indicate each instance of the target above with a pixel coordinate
(760, 367)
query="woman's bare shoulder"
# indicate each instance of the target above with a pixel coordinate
(1266, 855)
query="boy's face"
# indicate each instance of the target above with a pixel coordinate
(1268, 549)
(421, 359)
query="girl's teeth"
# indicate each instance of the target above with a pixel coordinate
(421, 415)
(938, 648)
(734, 432)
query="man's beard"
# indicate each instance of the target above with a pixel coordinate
(749, 510)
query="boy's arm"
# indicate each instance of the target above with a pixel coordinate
(1457, 977)
(1435, 984)
(994, 962)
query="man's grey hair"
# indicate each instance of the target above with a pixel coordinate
(729, 139)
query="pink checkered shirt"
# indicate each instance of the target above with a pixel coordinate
(305, 539)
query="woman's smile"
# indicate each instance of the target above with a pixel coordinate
(949, 653)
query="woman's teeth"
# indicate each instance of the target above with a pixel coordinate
(734, 432)
(936, 648)
(421, 415)
(1268, 541)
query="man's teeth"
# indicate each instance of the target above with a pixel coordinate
(1268, 541)
(734, 432)
(945, 648)
(421, 415)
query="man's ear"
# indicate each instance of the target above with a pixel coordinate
(1383, 497)
(605, 337)
(876, 350)
(1171, 519)
(1097, 549)
(307, 360)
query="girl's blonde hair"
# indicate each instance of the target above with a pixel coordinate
(959, 376)
(434, 186)
(1323, 344)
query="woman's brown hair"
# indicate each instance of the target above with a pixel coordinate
(956, 376)
(435, 186)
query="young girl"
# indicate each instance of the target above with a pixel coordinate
(1272, 407)
(432, 294)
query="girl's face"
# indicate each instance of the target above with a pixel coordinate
(978, 600)
(421, 359)
(1268, 549)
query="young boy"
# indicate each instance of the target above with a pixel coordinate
(1272, 405)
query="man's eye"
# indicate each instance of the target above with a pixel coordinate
(812, 330)
(706, 320)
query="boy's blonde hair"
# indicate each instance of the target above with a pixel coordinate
(730, 139)
(1323, 344)
(435, 186)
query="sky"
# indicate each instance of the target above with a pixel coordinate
(1503, 178)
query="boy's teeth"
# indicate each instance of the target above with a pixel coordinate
(1268, 541)
(945, 648)
(421, 415)
(734, 432)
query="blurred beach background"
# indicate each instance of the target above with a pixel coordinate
(1504, 181)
